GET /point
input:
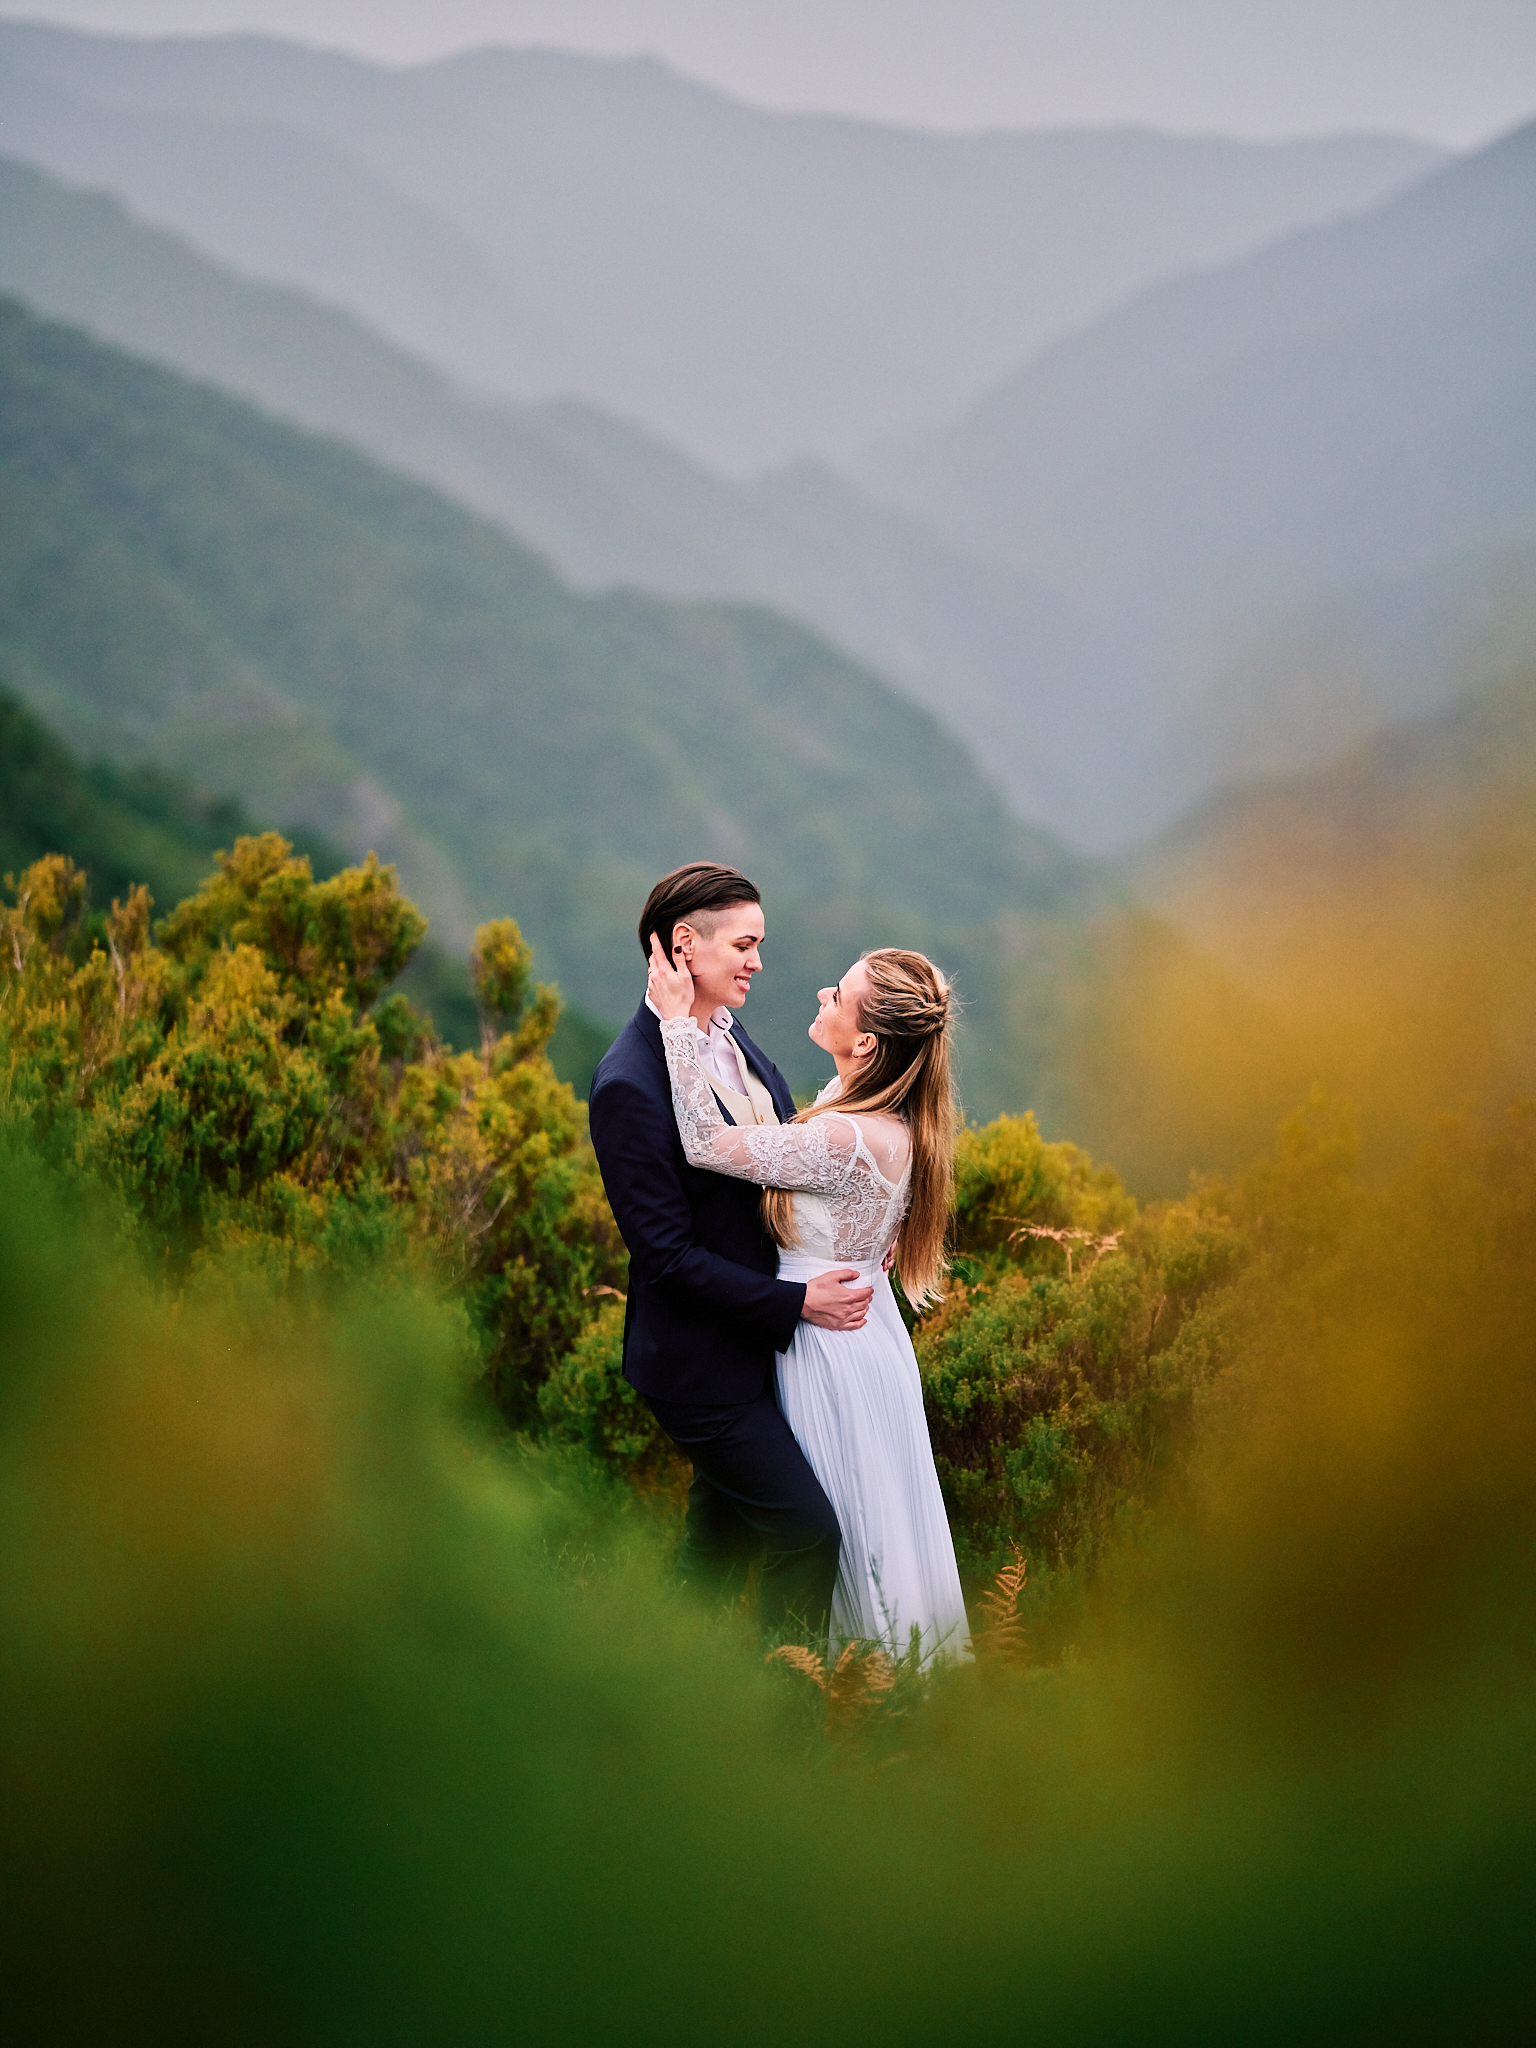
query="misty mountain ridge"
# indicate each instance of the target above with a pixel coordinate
(1214, 469)
(750, 285)
(988, 650)
(1169, 343)
(188, 581)
(995, 653)
(1179, 547)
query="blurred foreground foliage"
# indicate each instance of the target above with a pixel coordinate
(1369, 925)
(233, 1076)
(333, 1715)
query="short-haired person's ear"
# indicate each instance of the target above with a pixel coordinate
(682, 939)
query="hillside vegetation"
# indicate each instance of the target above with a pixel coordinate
(239, 1079)
(237, 1076)
(188, 580)
(983, 647)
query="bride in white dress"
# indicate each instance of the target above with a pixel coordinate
(867, 1169)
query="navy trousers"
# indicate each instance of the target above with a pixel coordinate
(753, 1494)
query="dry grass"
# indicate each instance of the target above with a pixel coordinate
(1090, 1240)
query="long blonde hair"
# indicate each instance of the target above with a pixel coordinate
(908, 1011)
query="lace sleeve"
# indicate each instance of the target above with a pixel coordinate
(817, 1157)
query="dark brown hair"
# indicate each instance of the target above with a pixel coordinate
(701, 885)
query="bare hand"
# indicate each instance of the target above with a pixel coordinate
(889, 1260)
(831, 1304)
(670, 986)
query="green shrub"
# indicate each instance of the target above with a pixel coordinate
(1062, 1372)
(228, 1076)
(587, 1401)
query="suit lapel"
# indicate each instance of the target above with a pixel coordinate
(648, 1024)
(767, 1073)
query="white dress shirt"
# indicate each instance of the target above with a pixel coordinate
(719, 1055)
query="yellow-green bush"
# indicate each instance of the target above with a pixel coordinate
(240, 1080)
(587, 1401)
(232, 1075)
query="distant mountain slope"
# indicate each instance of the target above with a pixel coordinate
(1027, 468)
(1357, 402)
(1251, 867)
(1383, 910)
(985, 649)
(184, 579)
(125, 826)
(1367, 930)
(751, 285)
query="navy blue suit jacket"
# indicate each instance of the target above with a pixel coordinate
(706, 1312)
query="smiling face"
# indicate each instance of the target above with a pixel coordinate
(721, 950)
(837, 1028)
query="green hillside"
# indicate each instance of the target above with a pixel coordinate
(992, 655)
(185, 580)
(124, 825)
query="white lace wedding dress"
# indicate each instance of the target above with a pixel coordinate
(852, 1398)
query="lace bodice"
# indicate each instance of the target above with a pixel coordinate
(849, 1174)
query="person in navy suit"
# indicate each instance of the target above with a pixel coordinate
(706, 1311)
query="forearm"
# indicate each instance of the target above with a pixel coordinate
(813, 1157)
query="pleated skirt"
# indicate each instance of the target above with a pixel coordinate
(855, 1404)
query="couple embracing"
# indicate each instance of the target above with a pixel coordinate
(761, 1327)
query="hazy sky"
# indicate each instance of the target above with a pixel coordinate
(1455, 70)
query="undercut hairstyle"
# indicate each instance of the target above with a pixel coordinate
(689, 893)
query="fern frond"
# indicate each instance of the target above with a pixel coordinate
(1002, 1639)
(800, 1659)
(855, 1683)
(858, 1681)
